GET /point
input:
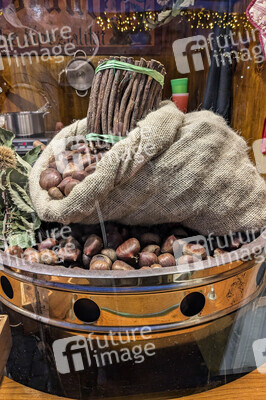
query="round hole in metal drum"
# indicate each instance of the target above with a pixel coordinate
(86, 310)
(192, 304)
(6, 287)
(260, 274)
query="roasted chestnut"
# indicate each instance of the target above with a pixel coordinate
(128, 251)
(93, 245)
(14, 251)
(167, 246)
(166, 260)
(49, 178)
(48, 243)
(195, 249)
(146, 259)
(121, 265)
(55, 193)
(70, 186)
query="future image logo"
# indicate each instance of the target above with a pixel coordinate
(224, 48)
(77, 353)
(191, 45)
(71, 354)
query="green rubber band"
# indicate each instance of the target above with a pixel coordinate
(131, 67)
(94, 137)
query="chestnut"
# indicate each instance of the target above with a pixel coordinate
(48, 243)
(31, 255)
(49, 178)
(111, 253)
(63, 183)
(236, 243)
(70, 186)
(114, 239)
(150, 238)
(62, 242)
(187, 259)
(147, 259)
(86, 161)
(219, 252)
(167, 246)
(71, 240)
(93, 245)
(101, 257)
(14, 251)
(70, 168)
(121, 265)
(179, 233)
(166, 260)
(52, 164)
(80, 148)
(69, 255)
(48, 257)
(86, 261)
(196, 250)
(79, 175)
(153, 248)
(156, 266)
(55, 193)
(100, 265)
(90, 169)
(128, 250)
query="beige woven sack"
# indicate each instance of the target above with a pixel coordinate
(174, 167)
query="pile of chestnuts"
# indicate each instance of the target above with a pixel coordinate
(70, 167)
(124, 248)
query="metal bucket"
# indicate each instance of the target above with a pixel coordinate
(182, 312)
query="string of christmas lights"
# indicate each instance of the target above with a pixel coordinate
(207, 19)
(134, 22)
(204, 19)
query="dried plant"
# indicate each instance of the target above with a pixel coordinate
(18, 220)
(7, 158)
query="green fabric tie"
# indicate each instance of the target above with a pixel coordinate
(94, 137)
(131, 67)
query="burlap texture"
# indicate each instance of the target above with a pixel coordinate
(173, 167)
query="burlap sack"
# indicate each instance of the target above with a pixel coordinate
(172, 168)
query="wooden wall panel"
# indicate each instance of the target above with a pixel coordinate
(33, 84)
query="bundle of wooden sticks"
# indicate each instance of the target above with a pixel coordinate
(120, 98)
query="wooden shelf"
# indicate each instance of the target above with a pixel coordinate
(250, 387)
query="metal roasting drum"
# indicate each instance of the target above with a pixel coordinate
(180, 308)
